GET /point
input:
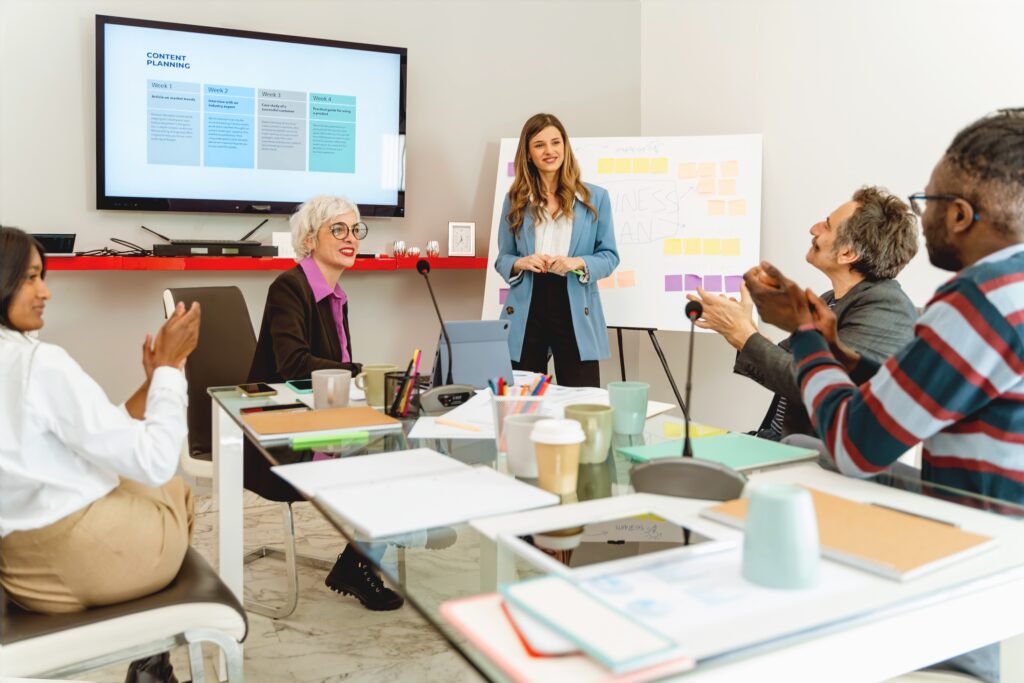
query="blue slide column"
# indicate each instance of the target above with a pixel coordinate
(229, 132)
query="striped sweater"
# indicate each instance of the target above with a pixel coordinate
(958, 386)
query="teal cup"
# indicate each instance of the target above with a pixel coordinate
(780, 541)
(629, 402)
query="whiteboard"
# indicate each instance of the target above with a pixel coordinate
(687, 213)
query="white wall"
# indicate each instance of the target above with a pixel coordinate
(477, 70)
(846, 94)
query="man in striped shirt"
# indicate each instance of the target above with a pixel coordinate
(959, 385)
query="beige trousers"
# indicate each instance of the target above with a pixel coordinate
(128, 544)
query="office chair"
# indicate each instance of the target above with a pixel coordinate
(688, 478)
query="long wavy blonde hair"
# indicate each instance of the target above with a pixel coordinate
(527, 185)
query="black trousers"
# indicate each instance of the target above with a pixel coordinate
(549, 327)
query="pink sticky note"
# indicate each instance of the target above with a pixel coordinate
(626, 278)
(733, 282)
(713, 283)
(674, 283)
(692, 282)
(502, 295)
(511, 171)
(606, 283)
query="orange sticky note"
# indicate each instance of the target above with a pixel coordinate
(729, 169)
(626, 278)
(691, 246)
(606, 165)
(716, 207)
(727, 186)
(731, 247)
(706, 170)
(659, 165)
(706, 186)
(712, 247)
(738, 207)
(623, 165)
(641, 165)
(673, 247)
(606, 283)
(687, 171)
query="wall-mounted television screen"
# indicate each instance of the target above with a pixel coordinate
(194, 118)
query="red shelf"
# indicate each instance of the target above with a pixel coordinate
(208, 263)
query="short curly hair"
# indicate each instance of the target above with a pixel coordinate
(308, 218)
(882, 231)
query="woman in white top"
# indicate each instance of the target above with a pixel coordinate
(89, 512)
(555, 241)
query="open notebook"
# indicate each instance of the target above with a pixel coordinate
(894, 544)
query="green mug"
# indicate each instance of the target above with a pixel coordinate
(596, 421)
(629, 399)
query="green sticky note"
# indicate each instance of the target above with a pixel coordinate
(740, 452)
(303, 442)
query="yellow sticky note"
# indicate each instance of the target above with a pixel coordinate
(729, 169)
(713, 247)
(659, 165)
(641, 165)
(706, 186)
(691, 246)
(673, 247)
(727, 186)
(626, 278)
(731, 247)
(606, 283)
(706, 170)
(606, 165)
(738, 207)
(687, 171)
(673, 430)
(623, 165)
(716, 207)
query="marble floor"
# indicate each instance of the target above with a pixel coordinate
(328, 637)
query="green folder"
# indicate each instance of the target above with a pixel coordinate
(740, 452)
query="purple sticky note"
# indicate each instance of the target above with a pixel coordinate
(733, 282)
(502, 295)
(673, 283)
(692, 283)
(511, 171)
(713, 283)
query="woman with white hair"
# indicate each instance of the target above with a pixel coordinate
(305, 328)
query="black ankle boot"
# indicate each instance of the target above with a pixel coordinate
(353, 575)
(155, 669)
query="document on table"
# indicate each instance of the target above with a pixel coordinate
(310, 477)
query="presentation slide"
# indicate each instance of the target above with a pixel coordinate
(201, 116)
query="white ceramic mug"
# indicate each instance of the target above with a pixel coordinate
(522, 462)
(330, 388)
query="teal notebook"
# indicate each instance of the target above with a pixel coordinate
(740, 452)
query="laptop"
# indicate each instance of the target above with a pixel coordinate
(208, 242)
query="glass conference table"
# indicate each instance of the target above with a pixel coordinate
(433, 566)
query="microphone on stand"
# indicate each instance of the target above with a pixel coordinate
(694, 310)
(439, 399)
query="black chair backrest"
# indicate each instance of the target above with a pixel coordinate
(222, 358)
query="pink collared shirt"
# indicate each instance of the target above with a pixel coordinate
(318, 284)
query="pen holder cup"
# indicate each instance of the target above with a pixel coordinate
(506, 406)
(402, 399)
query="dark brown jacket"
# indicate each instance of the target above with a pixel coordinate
(298, 335)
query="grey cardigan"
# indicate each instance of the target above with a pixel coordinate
(876, 318)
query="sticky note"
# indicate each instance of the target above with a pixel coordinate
(691, 282)
(733, 282)
(716, 207)
(713, 283)
(729, 169)
(706, 186)
(659, 165)
(738, 207)
(687, 171)
(731, 247)
(727, 186)
(606, 283)
(674, 283)
(641, 165)
(691, 246)
(502, 295)
(606, 165)
(712, 246)
(673, 247)
(511, 169)
(626, 278)
(706, 170)
(623, 165)
(673, 430)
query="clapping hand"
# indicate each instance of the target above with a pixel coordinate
(779, 300)
(176, 339)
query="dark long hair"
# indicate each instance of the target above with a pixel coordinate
(15, 255)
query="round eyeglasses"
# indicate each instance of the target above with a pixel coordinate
(341, 230)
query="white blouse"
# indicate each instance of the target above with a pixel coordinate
(552, 236)
(63, 444)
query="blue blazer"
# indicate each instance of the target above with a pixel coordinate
(593, 240)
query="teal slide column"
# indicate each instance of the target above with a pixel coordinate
(332, 133)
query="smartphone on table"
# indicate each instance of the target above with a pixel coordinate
(254, 389)
(286, 407)
(300, 386)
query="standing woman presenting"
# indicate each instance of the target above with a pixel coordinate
(555, 241)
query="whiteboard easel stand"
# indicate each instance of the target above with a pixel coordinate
(661, 356)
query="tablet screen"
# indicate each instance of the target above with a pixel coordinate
(614, 539)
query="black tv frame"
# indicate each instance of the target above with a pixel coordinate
(241, 205)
